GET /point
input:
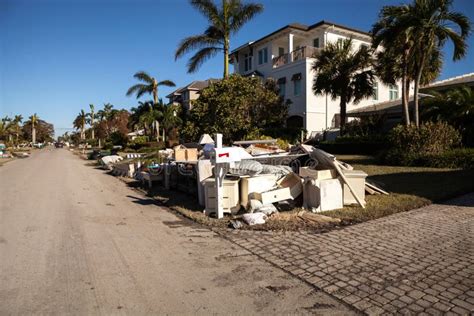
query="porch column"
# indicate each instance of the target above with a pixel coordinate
(290, 47)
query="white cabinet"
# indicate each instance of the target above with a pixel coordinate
(230, 194)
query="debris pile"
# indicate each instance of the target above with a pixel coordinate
(256, 179)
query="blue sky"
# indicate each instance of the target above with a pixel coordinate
(57, 56)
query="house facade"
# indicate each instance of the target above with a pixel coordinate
(185, 95)
(286, 55)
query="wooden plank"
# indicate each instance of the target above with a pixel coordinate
(373, 187)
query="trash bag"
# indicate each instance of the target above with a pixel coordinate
(254, 218)
(281, 171)
(254, 205)
(268, 209)
(246, 167)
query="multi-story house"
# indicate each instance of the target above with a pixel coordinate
(286, 55)
(185, 95)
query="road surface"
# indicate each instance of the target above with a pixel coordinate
(74, 240)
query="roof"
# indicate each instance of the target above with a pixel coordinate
(196, 85)
(302, 27)
(386, 107)
(466, 79)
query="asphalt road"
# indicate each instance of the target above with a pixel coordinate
(74, 240)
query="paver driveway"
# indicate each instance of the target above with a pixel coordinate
(416, 262)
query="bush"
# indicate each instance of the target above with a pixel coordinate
(138, 142)
(409, 144)
(118, 139)
(462, 158)
(355, 145)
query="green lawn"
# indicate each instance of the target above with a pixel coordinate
(409, 187)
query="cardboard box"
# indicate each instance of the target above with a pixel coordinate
(185, 154)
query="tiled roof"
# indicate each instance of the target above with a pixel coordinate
(467, 79)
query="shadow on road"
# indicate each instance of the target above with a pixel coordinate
(141, 201)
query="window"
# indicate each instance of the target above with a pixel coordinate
(263, 56)
(281, 87)
(281, 51)
(376, 91)
(393, 92)
(316, 42)
(296, 78)
(247, 62)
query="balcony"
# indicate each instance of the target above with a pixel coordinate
(297, 54)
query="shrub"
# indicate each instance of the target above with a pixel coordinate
(355, 145)
(408, 144)
(462, 158)
(118, 139)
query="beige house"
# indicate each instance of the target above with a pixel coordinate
(286, 55)
(185, 95)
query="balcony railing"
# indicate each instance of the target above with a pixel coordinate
(297, 54)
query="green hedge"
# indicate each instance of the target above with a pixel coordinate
(355, 145)
(462, 158)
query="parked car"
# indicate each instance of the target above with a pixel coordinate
(58, 145)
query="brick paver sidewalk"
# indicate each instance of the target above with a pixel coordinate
(415, 262)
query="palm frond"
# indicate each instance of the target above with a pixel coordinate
(243, 13)
(196, 42)
(167, 83)
(139, 89)
(207, 8)
(143, 76)
(201, 56)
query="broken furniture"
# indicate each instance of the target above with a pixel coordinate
(230, 196)
(290, 187)
(356, 178)
(255, 184)
(322, 195)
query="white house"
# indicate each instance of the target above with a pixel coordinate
(286, 56)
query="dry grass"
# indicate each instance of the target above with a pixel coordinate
(5, 160)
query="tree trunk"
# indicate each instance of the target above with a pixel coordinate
(405, 93)
(155, 96)
(164, 135)
(415, 92)
(92, 127)
(226, 58)
(343, 115)
(33, 133)
(157, 126)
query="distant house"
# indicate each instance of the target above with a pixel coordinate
(287, 56)
(185, 95)
(393, 111)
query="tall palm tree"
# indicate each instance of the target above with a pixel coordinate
(344, 72)
(80, 123)
(422, 27)
(171, 118)
(224, 21)
(433, 24)
(34, 120)
(92, 116)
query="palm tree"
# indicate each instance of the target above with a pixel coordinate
(344, 73)
(424, 27)
(17, 120)
(34, 120)
(224, 21)
(171, 118)
(80, 123)
(149, 86)
(91, 119)
(393, 61)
